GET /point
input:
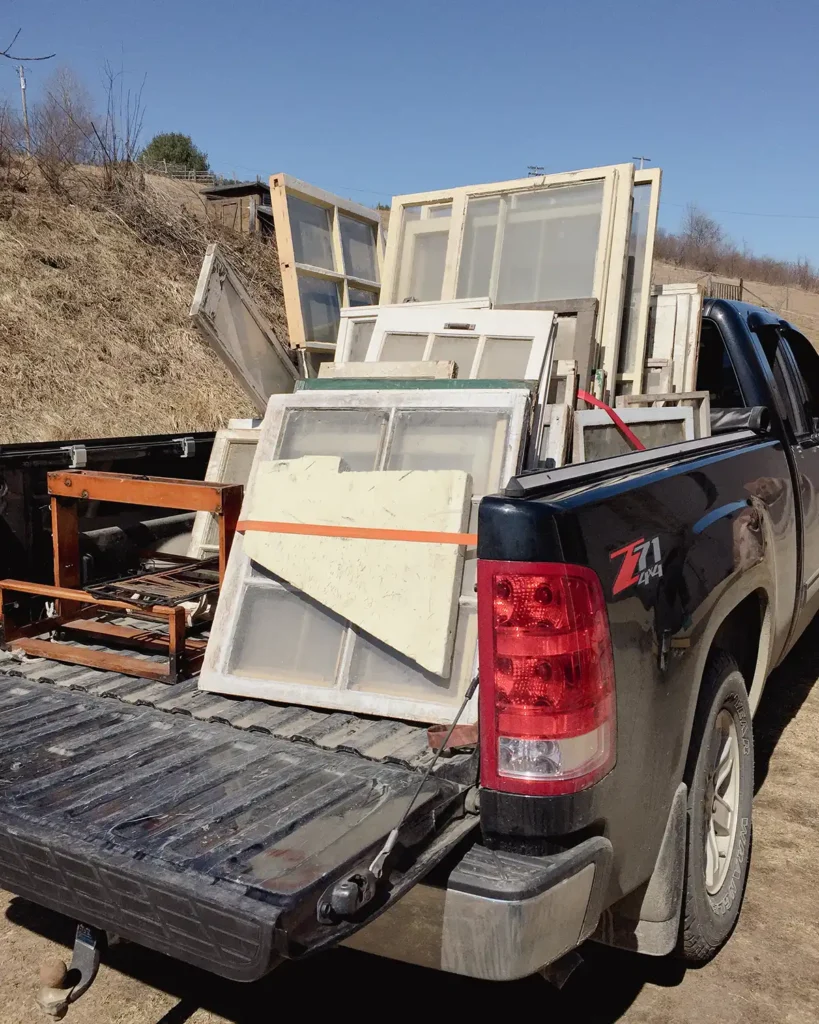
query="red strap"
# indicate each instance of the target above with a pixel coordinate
(627, 433)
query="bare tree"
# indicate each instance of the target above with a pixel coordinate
(62, 126)
(119, 134)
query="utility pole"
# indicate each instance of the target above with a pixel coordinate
(21, 71)
(642, 160)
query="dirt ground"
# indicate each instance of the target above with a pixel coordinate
(769, 971)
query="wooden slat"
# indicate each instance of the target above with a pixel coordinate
(69, 594)
(143, 638)
(127, 666)
(160, 492)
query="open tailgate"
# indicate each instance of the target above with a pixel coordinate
(204, 841)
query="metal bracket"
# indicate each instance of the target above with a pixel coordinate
(78, 454)
(61, 986)
(188, 445)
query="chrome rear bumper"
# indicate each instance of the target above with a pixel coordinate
(499, 916)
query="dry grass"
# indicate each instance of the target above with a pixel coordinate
(95, 286)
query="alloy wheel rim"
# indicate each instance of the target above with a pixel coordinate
(722, 802)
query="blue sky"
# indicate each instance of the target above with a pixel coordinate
(371, 99)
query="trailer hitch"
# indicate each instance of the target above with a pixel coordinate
(60, 985)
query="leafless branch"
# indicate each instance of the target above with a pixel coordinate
(14, 56)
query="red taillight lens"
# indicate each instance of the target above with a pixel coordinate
(546, 678)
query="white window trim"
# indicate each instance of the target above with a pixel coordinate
(584, 418)
(283, 185)
(215, 676)
(215, 474)
(352, 315)
(496, 323)
(653, 177)
(610, 262)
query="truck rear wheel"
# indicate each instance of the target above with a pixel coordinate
(720, 777)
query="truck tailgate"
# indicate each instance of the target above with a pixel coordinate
(204, 841)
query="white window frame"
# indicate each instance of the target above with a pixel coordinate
(217, 464)
(215, 676)
(496, 323)
(610, 262)
(284, 185)
(636, 377)
(368, 314)
(584, 418)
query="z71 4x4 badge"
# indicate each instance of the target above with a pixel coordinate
(641, 563)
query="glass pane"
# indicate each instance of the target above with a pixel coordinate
(634, 276)
(319, 308)
(378, 669)
(239, 460)
(460, 349)
(353, 434)
(358, 245)
(478, 250)
(605, 441)
(361, 332)
(505, 359)
(281, 634)
(362, 297)
(452, 439)
(402, 346)
(311, 227)
(422, 254)
(550, 243)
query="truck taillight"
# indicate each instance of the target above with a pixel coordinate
(547, 706)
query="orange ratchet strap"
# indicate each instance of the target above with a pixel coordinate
(357, 532)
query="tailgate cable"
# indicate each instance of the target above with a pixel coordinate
(348, 895)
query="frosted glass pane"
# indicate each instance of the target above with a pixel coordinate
(320, 307)
(239, 460)
(362, 297)
(427, 253)
(376, 669)
(604, 442)
(441, 210)
(459, 349)
(353, 434)
(311, 227)
(412, 212)
(550, 243)
(505, 359)
(402, 346)
(635, 266)
(451, 439)
(358, 246)
(360, 340)
(478, 250)
(285, 636)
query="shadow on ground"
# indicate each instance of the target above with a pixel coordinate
(598, 992)
(787, 689)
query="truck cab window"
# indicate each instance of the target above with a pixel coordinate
(715, 371)
(795, 367)
(806, 367)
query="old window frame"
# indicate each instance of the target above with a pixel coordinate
(217, 464)
(216, 676)
(284, 185)
(610, 261)
(634, 416)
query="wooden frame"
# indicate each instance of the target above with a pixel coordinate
(584, 418)
(698, 400)
(612, 249)
(75, 607)
(216, 675)
(368, 314)
(281, 187)
(200, 546)
(449, 323)
(676, 320)
(556, 434)
(241, 336)
(650, 178)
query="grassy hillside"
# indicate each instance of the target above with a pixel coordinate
(95, 286)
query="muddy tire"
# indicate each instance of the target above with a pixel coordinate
(720, 777)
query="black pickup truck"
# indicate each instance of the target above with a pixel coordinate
(630, 611)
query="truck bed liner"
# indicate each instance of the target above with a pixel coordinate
(206, 841)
